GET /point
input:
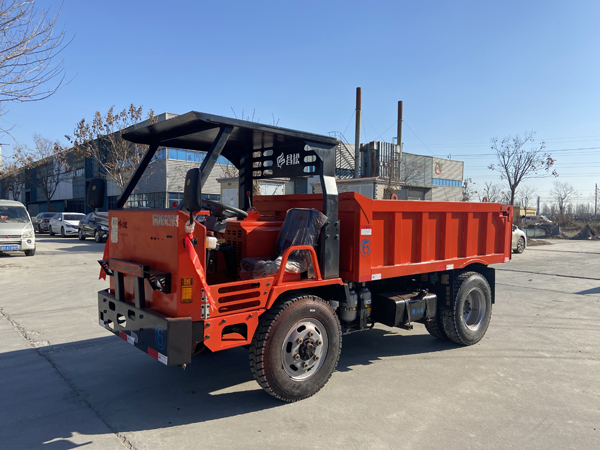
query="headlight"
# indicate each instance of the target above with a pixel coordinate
(104, 228)
(28, 234)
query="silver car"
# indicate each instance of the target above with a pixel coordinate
(16, 229)
(65, 224)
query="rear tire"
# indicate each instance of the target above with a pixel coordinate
(469, 318)
(296, 347)
(520, 245)
(436, 328)
(80, 235)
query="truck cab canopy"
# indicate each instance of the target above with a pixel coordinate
(258, 151)
(198, 131)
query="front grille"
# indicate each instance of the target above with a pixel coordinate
(10, 236)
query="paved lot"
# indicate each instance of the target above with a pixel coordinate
(532, 383)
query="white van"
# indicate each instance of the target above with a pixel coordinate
(16, 229)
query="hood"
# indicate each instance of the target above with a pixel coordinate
(73, 223)
(14, 228)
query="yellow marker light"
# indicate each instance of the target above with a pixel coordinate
(186, 290)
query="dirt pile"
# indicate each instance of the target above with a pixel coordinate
(587, 233)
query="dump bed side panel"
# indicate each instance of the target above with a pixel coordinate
(389, 238)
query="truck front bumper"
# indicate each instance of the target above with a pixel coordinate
(167, 339)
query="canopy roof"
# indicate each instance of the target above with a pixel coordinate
(198, 131)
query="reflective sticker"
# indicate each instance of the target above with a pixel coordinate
(101, 322)
(162, 358)
(376, 276)
(450, 267)
(507, 259)
(130, 340)
(366, 230)
(114, 230)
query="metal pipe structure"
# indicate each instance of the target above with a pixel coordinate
(357, 134)
(399, 140)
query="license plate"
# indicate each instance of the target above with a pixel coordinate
(8, 248)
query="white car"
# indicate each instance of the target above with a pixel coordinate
(519, 240)
(65, 224)
(16, 229)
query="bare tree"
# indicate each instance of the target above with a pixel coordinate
(49, 160)
(516, 163)
(12, 179)
(563, 193)
(102, 140)
(468, 191)
(492, 192)
(29, 45)
(526, 195)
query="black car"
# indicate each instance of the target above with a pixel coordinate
(40, 222)
(94, 225)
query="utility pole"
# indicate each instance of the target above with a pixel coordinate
(357, 134)
(596, 201)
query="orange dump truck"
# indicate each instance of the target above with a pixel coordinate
(287, 276)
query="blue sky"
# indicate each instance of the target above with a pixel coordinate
(466, 71)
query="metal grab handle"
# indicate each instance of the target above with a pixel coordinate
(286, 255)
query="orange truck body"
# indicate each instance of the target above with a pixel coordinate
(380, 239)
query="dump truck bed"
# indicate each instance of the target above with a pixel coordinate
(391, 238)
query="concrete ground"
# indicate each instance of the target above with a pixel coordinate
(533, 382)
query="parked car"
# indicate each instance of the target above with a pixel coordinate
(42, 221)
(16, 229)
(519, 240)
(65, 223)
(94, 225)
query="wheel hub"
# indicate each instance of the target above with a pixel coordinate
(304, 349)
(307, 349)
(474, 309)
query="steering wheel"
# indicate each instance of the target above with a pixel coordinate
(220, 210)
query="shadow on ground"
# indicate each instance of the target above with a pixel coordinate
(130, 391)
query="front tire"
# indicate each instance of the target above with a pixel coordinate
(80, 235)
(469, 318)
(296, 347)
(520, 245)
(30, 252)
(50, 231)
(62, 232)
(97, 236)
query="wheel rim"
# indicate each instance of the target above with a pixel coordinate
(521, 245)
(97, 236)
(474, 309)
(304, 349)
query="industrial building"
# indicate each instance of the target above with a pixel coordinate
(385, 173)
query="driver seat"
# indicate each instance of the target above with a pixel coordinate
(300, 227)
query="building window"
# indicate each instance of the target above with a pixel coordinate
(152, 200)
(192, 156)
(177, 197)
(445, 182)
